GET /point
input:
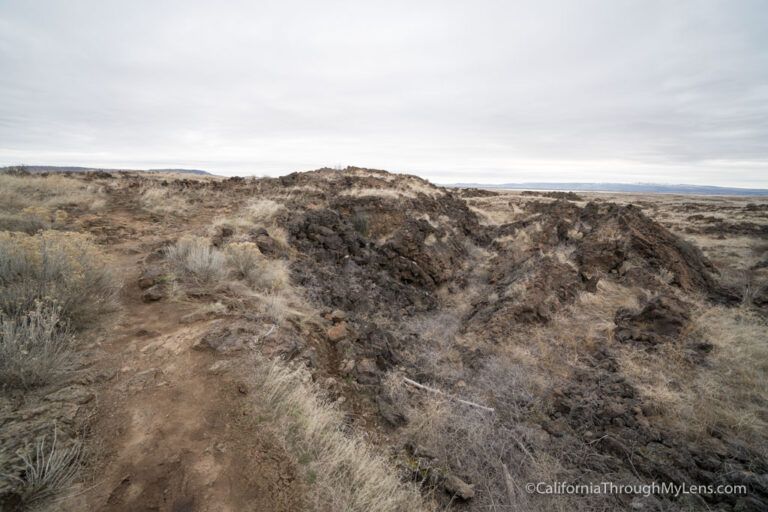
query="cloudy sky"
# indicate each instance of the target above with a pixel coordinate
(612, 90)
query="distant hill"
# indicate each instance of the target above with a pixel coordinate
(59, 168)
(641, 188)
(182, 171)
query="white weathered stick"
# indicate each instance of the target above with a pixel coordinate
(450, 397)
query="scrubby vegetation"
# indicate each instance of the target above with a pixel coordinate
(55, 285)
(35, 348)
(196, 261)
(341, 468)
(61, 270)
(407, 347)
(48, 472)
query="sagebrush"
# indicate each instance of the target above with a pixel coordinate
(61, 270)
(35, 349)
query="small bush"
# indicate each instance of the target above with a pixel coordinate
(247, 263)
(32, 219)
(244, 259)
(34, 349)
(197, 261)
(62, 270)
(273, 275)
(263, 211)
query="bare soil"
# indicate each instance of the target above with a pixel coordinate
(172, 434)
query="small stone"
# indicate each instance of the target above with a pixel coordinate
(347, 367)
(458, 487)
(338, 316)
(218, 366)
(150, 276)
(153, 294)
(615, 409)
(391, 413)
(337, 332)
(194, 316)
(367, 372)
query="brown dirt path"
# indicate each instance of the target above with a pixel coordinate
(169, 434)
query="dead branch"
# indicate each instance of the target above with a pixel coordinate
(450, 397)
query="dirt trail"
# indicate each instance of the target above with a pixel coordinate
(171, 434)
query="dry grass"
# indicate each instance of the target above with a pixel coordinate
(248, 264)
(48, 472)
(55, 191)
(33, 203)
(244, 259)
(63, 270)
(164, 200)
(254, 215)
(497, 452)
(196, 261)
(237, 278)
(262, 211)
(35, 349)
(341, 470)
(729, 393)
(200, 264)
(33, 219)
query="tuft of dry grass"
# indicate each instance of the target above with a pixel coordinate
(247, 263)
(262, 211)
(244, 259)
(342, 470)
(48, 472)
(238, 277)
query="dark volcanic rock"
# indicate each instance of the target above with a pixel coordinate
(341, 268)
(417, 254)
(392, 414)
(227, 336)
(662, 319)
(528, 290)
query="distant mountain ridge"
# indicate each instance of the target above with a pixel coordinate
(59, 168)
(642, 188)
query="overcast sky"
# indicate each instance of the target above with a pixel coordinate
(624, 91)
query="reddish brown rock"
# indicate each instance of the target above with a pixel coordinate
(338, 332)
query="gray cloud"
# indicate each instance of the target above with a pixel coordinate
(481, 91)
